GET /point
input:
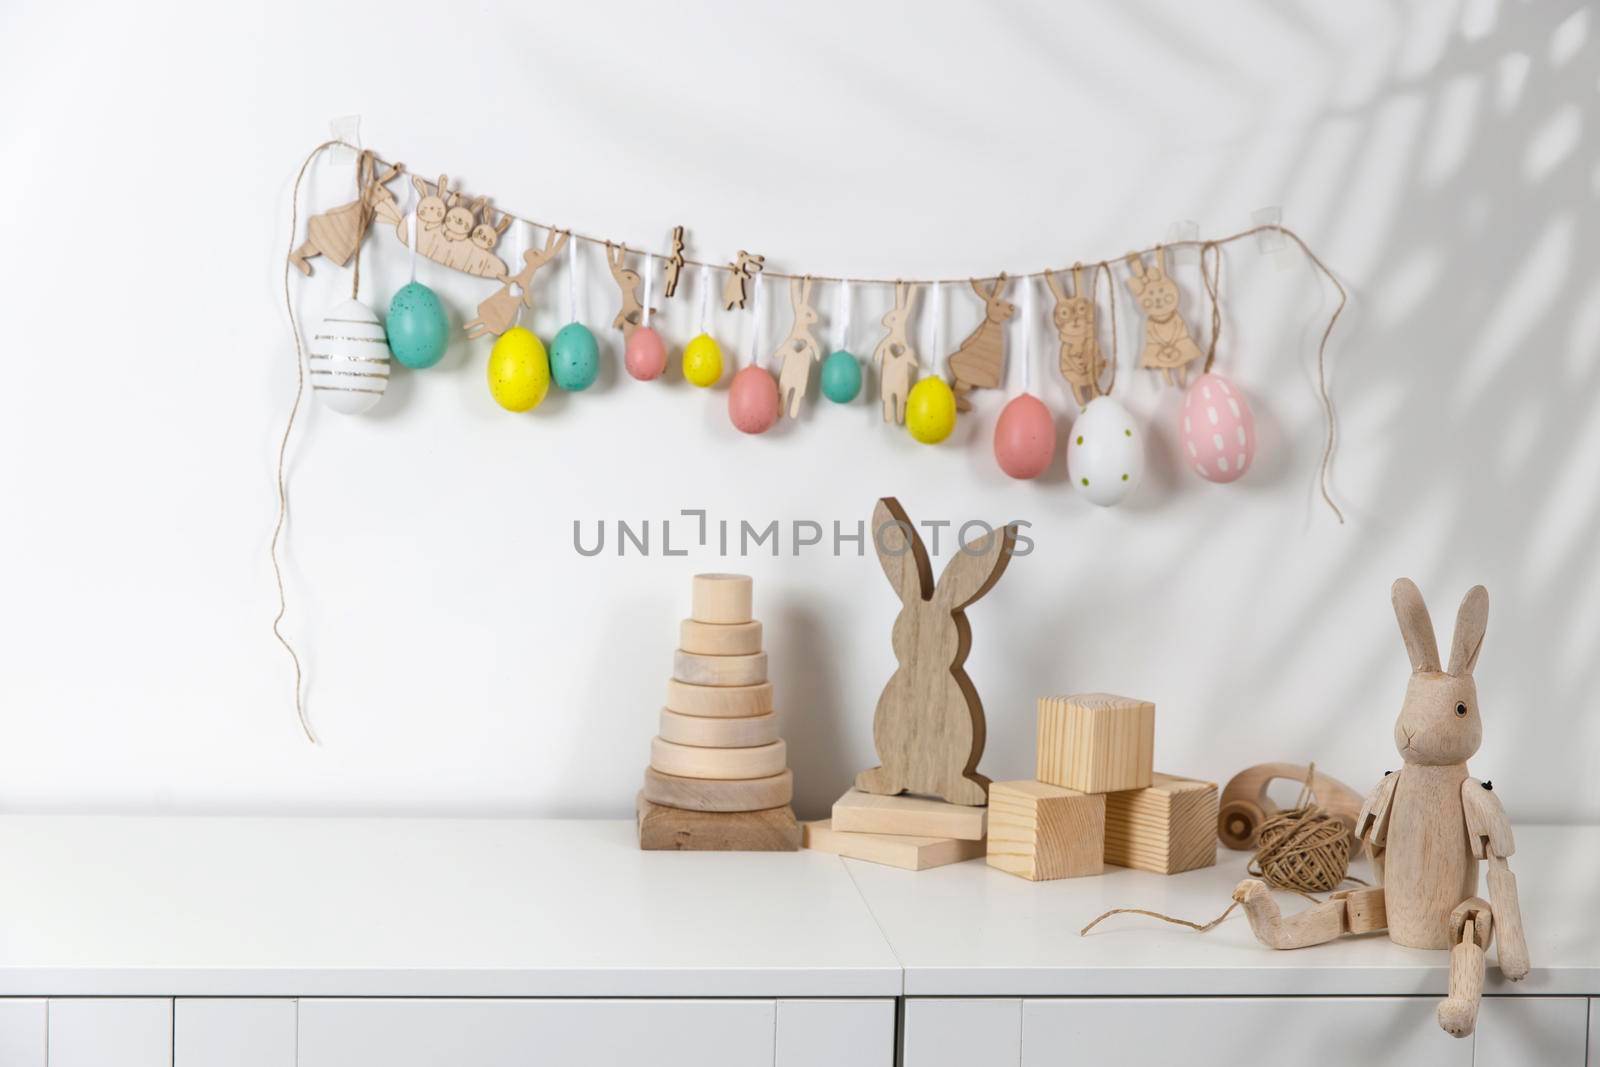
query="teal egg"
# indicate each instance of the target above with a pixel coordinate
(574, 358)
(418, 330)
(841, 377)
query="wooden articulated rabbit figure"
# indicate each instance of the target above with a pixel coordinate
(1426, 828)
(896, 359)
(980, 360)
(799, 350)
(928, 727)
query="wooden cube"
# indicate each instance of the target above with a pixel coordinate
(1096, 742)
(1169, 827)
(1039, 831)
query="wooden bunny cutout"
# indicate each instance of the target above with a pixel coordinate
(1426, 828)
(799, 350)
(928, 728)
(674, 262)
(1167, 344)
(978, 363)
(1082, 362)
(896, 359)
(498, 312)
(335, 233)
(631, 314)
(448, 230)
(736, 290)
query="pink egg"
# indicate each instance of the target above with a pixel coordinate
(1216, 430)
(753, 400)
(1025, 437)
(646, 354)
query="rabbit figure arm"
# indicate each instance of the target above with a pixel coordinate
(1372, 824)
(1489, 834)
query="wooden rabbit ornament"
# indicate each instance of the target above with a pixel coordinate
(799, 350)
(631, 315)
(498, 312)
(337, 232)
(980, 360)
(448, 229)
(1081, 362)
(736, 290)
(1168, 347)
(929, 726)
(896, 359)
(1426, 827)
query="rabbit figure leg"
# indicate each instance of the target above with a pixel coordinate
(1471, 928)
(299, 256)
(1316, 925)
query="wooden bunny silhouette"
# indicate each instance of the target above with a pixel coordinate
(498, 311)
(735, 291)
(896, 359)
(486, 234)
(631, 314)
(978, 363)
(1082, 362)
(928, 727)
(445, 226)
(1426, 828)
(335, 232)
(1167, 344)
(799, 350)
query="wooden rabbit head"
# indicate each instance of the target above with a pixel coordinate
(1152, 286)
(1074, 314)
(898, 318)
(1439, 723)
(486, 234)
(996, 308)
(929, 725)
(431, 208)
(376, 191)
(805, 316)
(458, 220)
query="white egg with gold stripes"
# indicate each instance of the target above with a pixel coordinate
(348, 358)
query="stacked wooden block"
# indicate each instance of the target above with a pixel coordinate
(718, 777)
(1096, 798)
(902, 831)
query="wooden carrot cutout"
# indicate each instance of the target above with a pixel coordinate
(445, 225)
(498, 312)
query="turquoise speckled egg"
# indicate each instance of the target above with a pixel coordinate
(418, 330)
(841, 377)
(574, 358)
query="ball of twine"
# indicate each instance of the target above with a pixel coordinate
(1304, 849)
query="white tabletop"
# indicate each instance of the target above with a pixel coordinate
(968, 930)
(419, 907)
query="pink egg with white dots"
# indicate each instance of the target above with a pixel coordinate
(1216, 430)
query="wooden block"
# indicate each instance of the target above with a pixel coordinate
(664, 828)
(738, 701)
(721, 598)
(908, 852)
(1096, 742)
(706, 732)
(868, 813)
(721, 671)
(701, 794)
(1169, 827)
(687, 761)
(1039, 831)
(719, 639)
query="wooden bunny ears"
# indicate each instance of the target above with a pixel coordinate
(971, 572)
(1416, 627)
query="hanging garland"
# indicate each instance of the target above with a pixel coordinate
(348, 357)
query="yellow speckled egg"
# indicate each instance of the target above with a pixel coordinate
(702, 361)
(931, 410)
(519, 370)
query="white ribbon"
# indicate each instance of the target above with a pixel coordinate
(844, 317)
(755, 325)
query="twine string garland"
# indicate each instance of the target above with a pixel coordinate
(368, 161)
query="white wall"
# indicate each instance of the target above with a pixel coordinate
(462, 657)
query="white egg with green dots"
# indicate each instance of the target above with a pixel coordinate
(1105, 454)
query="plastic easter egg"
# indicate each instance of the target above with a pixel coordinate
(347, 359)
(574, 358)
(419, 331)
(702, 361)
(519, 370)
(1216, 429)
(931, 410)
(841, 377)
(645, 355)
(753, 400)
(1025, 437)
(1105, 454)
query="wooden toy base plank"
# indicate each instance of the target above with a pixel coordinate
(907, 852)
(664, 828)
(870, 813)
(719, 639)
(721, 598)
(720, 671)
(730, 702)
(699, 794)
(704, 732)
(688, 761)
